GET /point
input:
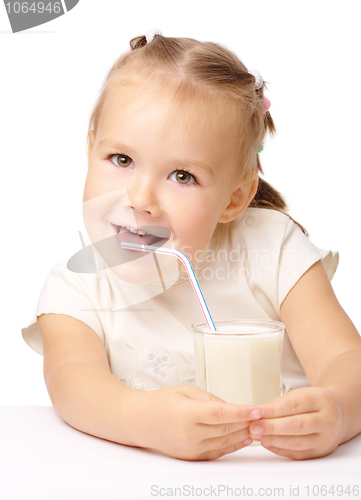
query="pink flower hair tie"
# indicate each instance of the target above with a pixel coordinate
(266, 105)
(258, 84)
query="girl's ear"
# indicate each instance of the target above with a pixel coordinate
(91, 136)
(240, 199)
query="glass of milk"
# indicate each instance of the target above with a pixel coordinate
(242, 361)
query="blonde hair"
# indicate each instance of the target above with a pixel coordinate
(192, 69)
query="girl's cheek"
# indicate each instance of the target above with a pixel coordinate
(96, 185)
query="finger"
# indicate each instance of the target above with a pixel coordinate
(218, 430)
(213, 409)
(218, 412)
(217, 447)
(291, 443)
(294, 454)
(194, 392)
(292, 403)
(295, 425)
(214, 454)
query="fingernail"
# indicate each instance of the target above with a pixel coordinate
(247, 442)
(257, 414)
(266, 445)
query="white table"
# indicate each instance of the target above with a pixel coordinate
(43, 458)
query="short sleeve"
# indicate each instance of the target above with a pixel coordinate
(298, 254)
(72, 294)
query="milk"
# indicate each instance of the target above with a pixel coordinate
(243, 369)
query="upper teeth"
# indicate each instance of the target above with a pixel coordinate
(134, 230)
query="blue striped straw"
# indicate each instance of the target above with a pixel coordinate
(189, 269)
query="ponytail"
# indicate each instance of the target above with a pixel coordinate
(268, 197)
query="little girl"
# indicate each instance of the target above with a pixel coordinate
(174, 143)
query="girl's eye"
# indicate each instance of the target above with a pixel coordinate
(183, 177)
(121, 160)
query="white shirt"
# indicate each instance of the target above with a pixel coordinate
(246, 271)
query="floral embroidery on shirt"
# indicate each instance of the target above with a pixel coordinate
(135, 383)
(187, 379)
(156, 359)
(156, 364)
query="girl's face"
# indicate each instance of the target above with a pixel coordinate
(148, 167)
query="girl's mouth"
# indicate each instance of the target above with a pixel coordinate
(146, 235)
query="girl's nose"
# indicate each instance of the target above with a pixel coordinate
(143, 198)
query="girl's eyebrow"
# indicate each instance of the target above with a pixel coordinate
(117, 146)
(194, 165)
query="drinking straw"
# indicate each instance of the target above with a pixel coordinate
(185, 261)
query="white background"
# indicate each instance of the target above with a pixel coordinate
(50, 77)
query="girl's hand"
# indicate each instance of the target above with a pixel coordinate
(192, 424)
(305, 423)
